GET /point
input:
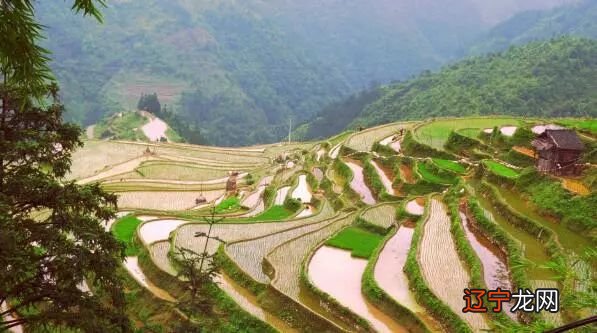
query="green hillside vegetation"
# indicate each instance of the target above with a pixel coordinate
(122, 126)
(238, 70)
(360, 242)
(578, 19)
(589, 125)
(552, 78)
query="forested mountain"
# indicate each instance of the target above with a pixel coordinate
(240, 69)
(543, 78)
(578, 19)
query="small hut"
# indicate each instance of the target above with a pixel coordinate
(558, 152)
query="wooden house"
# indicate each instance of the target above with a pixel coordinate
(558, 152)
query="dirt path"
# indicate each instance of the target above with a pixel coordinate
(442, 269)
(406, 174)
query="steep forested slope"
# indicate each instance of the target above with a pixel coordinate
(579, 19)
(549, 78)
(243, 68)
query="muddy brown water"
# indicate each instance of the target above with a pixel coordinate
(358, 183)
(338, 274)
(532, 249)
(406, 174)
(569, 239)
(493, 259)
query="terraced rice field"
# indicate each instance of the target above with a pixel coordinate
(335, 151)
(159, 255)
(385, 179)
(281, 195)
(501, 169)
(508, 130)
(158, 230)
(317, 173)
(391, 141)
(389, 269)
(438, 260)
(436, 133)
(416, 206)
(358, 183)
(495, 267)
(132, 266)
(308, 210)
(249, 254)
(249, 302)
(575, 186)
(230, 232)
(553, 318)
(406, 174)
(164, 200)
(302, 191)
(364, 140)
(178, 171)
(338, 274)
(287, 258)
(382, 215)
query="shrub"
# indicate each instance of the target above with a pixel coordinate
(292, 204)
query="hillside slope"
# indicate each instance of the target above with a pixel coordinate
(238, 70)
(552, 78)
(578, 19)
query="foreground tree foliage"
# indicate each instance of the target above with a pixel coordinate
(52, 243)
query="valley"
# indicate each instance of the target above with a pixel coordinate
(374, 230)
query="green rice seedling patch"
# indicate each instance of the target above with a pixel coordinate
(228, 205)
(274, 213)
(449, 165)
(501, 169)
(360, 242)
(428, 175)
(582, 124)
(472, 133)
(436, 133)
(124, 230)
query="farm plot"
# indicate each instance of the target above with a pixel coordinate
(132, 266)
(508, 130)
(287, 259)
(249, 302)
(302, 191)
(249, 254)
(335, 151)
(178, 171)
(318, 174)
(416, 206)
(307, 211)
(449, 165)
(358, 183)
(382, 215)
(158, 230)
(364, 140)
(553, 318)
(159, 255)
(281, 195)
(386, 181)
(359, 241)
(118, 169)
(338, 274)
(161, 185)
(427, 174)
(389, 269)
(164, 200)
(253, 199)
(436, 133)
(185, 234)
(406, 174)
(439, 260)
(392, 141)
(500, 169)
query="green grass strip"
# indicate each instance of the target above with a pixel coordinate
(360, 242)
(124, 230)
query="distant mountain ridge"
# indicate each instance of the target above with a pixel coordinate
(239, 70)
(554, 78)
(578, 19)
